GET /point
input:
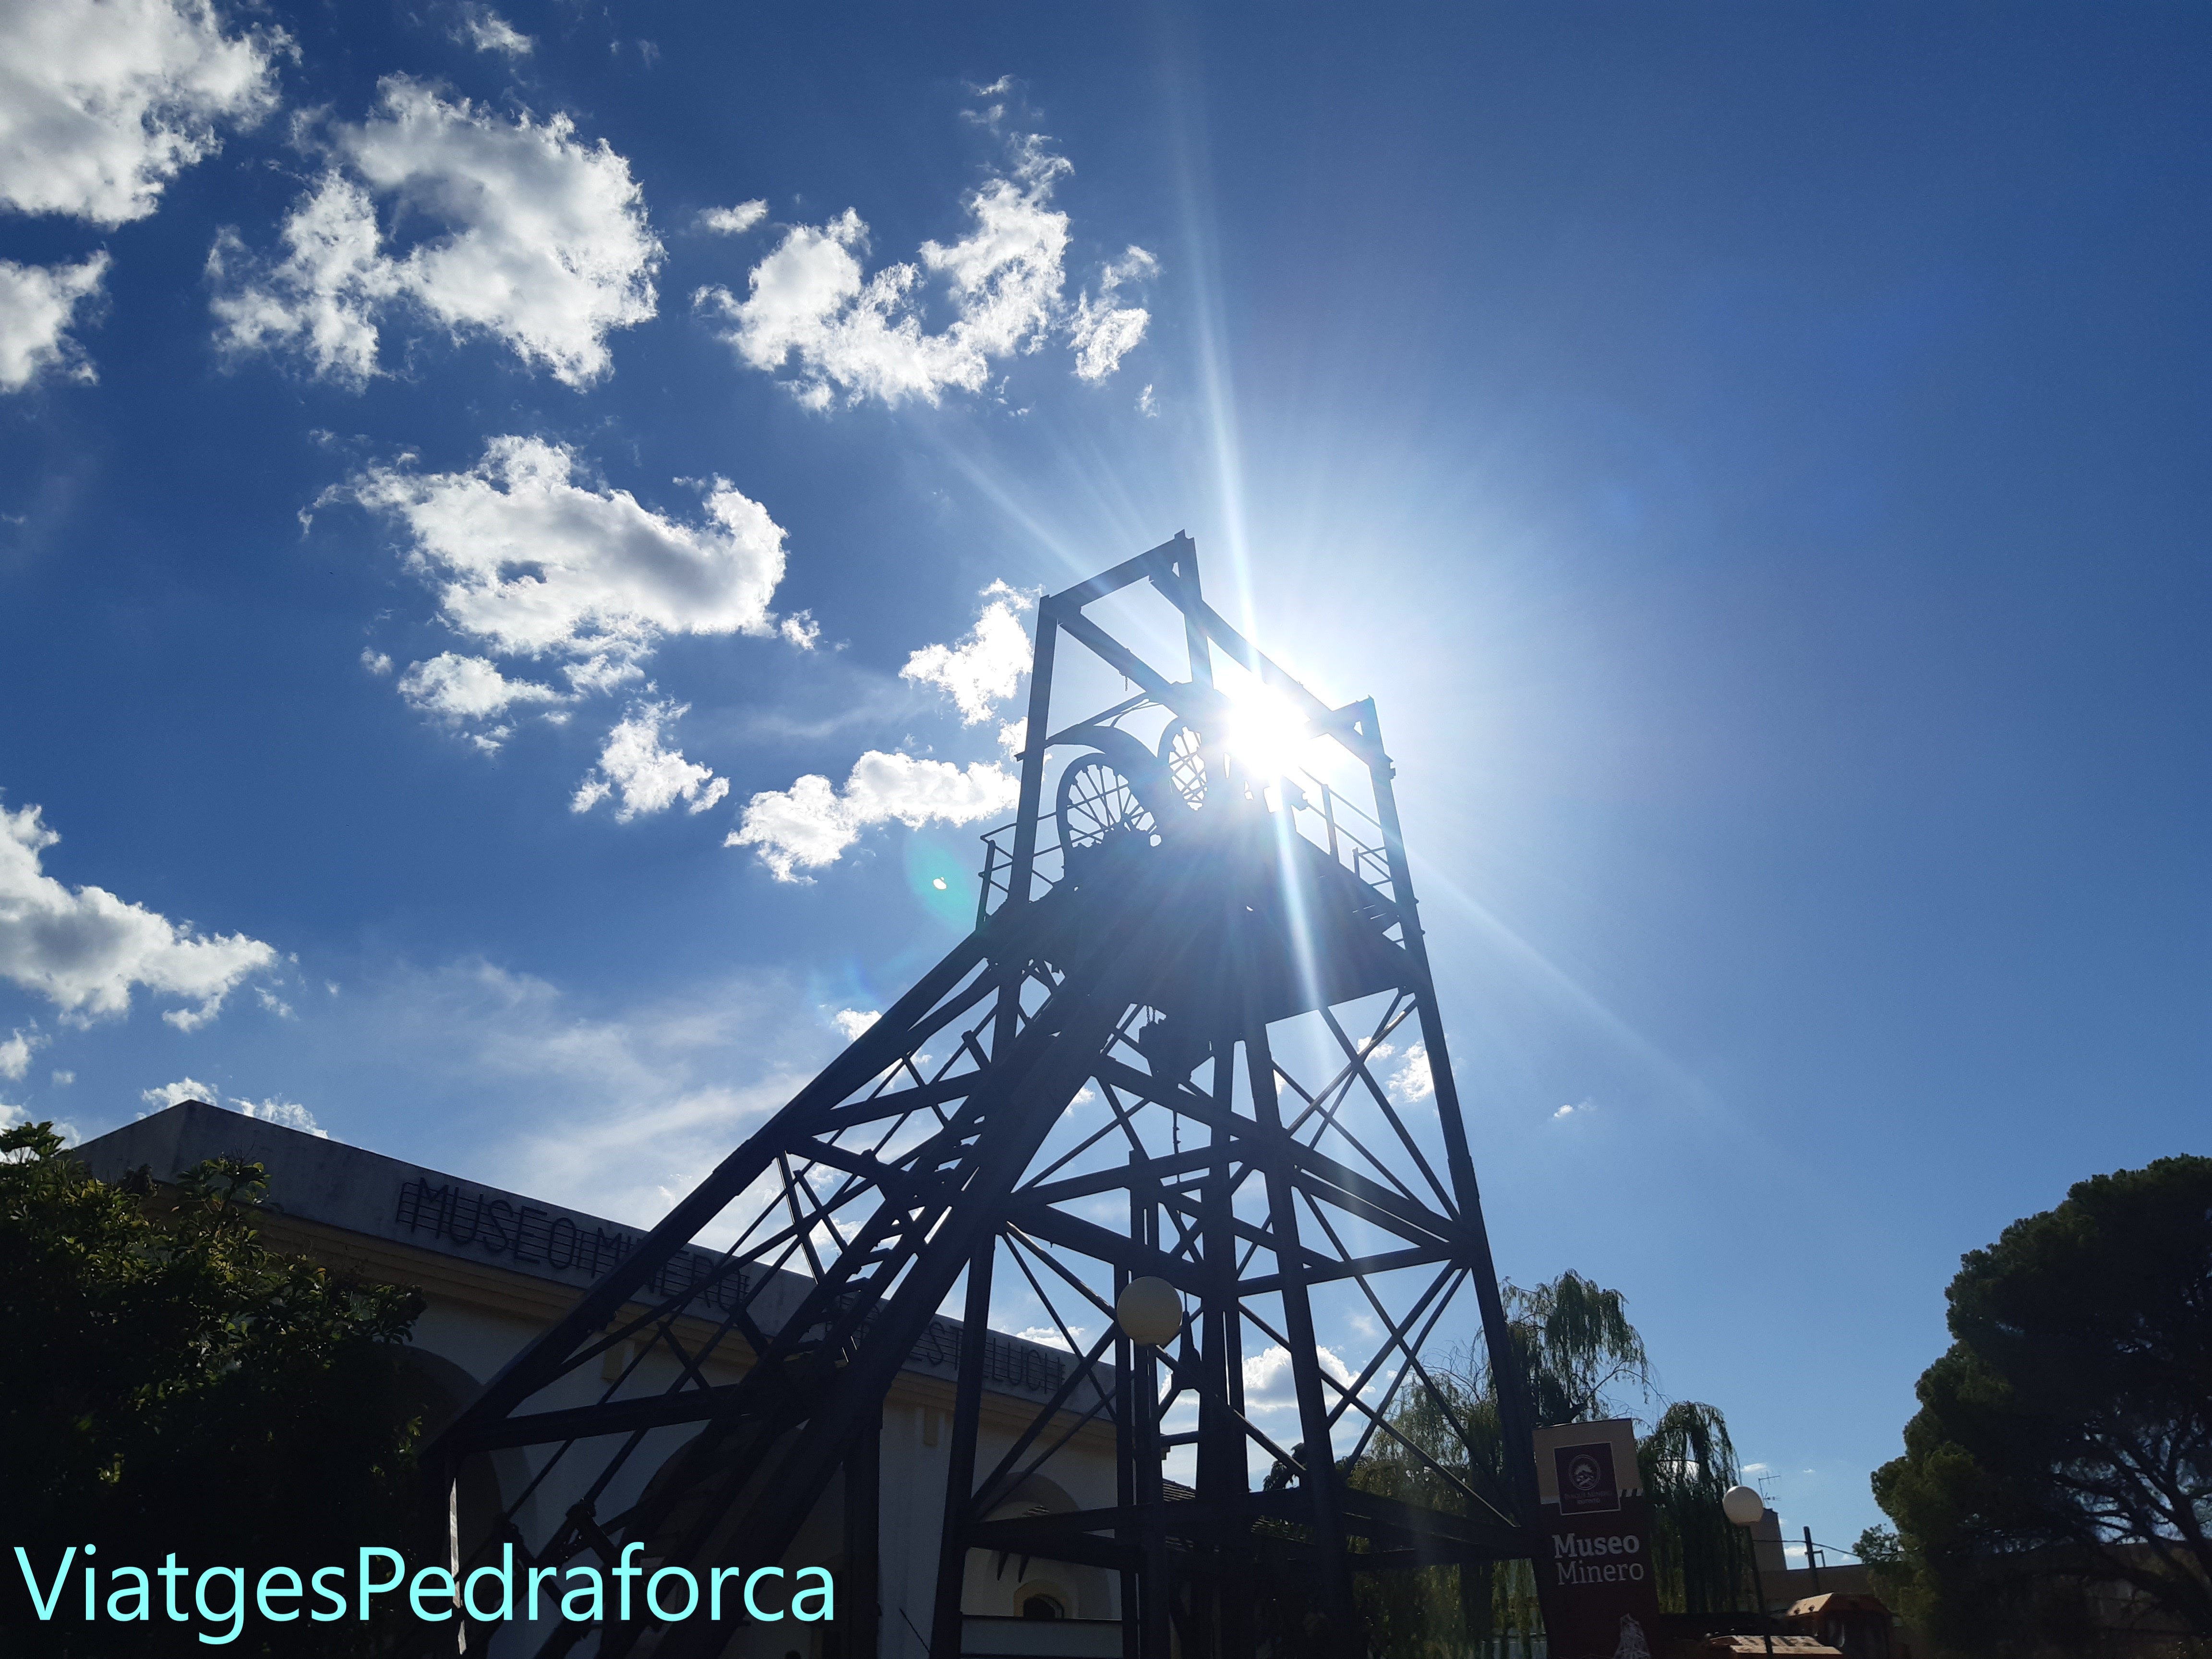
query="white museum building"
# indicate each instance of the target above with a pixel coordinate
(496, 1267)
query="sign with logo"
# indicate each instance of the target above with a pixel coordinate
(1593, 1571)
(1584, 1472)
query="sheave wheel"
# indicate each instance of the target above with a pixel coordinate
(1104, 795)
(1182, 762)
(1097, 803)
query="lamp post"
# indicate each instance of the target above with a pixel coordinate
(1149, 1313)
(1745, 1507)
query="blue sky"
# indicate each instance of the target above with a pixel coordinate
(1754, 456)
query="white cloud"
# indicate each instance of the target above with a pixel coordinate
(733, 221)
(38, 305)
(322, 298)
(812, 823)
(651, 779)
(1102, 334)
(84, 949)
(185, 1088)
(807, 298)
(63, 1080)
(616, 1112)
(1413, 1080)
(375, 661)
(1013, 736)
(453, 688)
(1005, 275)
(1581, 1108)
(851, 1022)
(530, 561)
(859, 336)
(544, 243)
(1049, 1336)
(984, 669)
(289, 1114)
(1145, 406)
(103, 102)
(15, 1053)
(487, 30)
(275, 1003)
(601, 673)
(1268, 1386)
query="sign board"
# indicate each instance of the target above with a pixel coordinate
(1593, 1571)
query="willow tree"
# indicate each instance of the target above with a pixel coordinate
(1703, 1562)
(1580, 1359)
(1442, 1609)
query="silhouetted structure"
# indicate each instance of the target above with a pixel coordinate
(1162, 1052)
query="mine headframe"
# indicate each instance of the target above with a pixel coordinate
(1193, 1038)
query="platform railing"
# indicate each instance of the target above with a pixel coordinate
(1351, 837)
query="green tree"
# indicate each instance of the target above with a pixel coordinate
(1440, 1610)
(1581, 1358)
(1577, 1349)
(169, 1383)
(1702, 1559)
(1882, 1553)
(2065, 1438)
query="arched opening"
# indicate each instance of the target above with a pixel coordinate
(1004, 1584)
(1040, 1601)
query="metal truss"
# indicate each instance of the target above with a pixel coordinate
(1167, 1049)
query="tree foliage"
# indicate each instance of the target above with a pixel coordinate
(1433, 1610)
(1882, 1553)
(2065, 1439)
(169, 1383)
(1580, 1359)
(1577, 1349)
(1702, 1559)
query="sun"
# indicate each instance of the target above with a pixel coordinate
(1266, 731)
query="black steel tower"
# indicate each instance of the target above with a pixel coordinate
(1191, 1038)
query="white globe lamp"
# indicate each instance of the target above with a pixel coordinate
(1149, 1312)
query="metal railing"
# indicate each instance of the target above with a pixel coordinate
(1351, 837)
